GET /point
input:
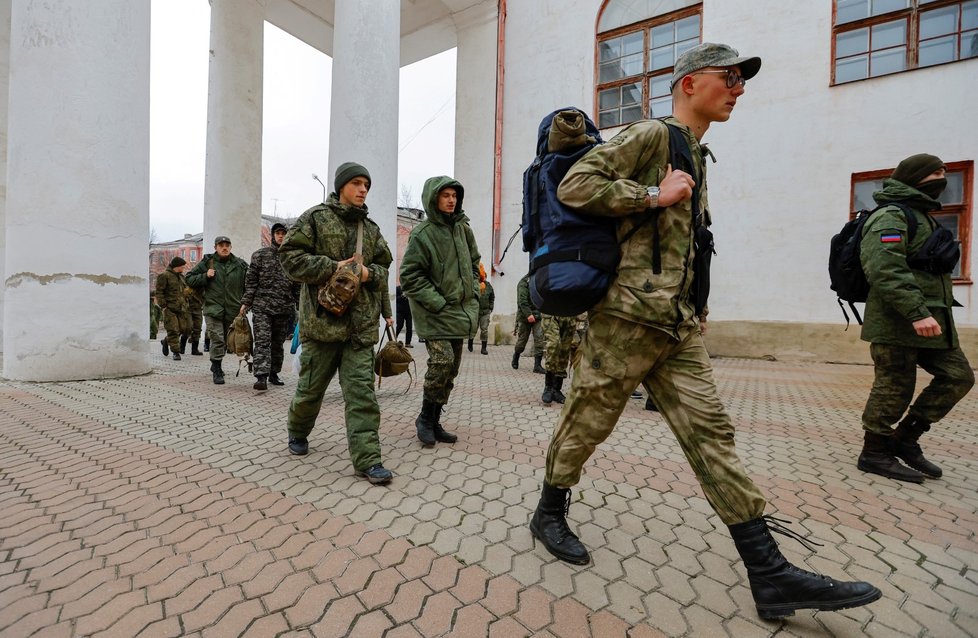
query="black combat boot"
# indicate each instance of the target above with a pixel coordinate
(516, 359)
(650, 405)
(470, 344)
(441, 435)
(176, 355)
(183, 344)
(779, 588)
(906, 448)
(538, 364)
(558, 382)
(195, 348)
(217, 372)
(548, 390)
(166, 347)
(425, 423)
(274, 380)
(484, 350)
(877, 457)
(261, 382)
(207, 344)
(549, 526)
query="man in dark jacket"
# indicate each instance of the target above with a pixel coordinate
(221, 277)
(323, 239)
(404, 322)
(487, 300)
(909, 323)
(528, 320)
(170, 287)
(269, 295)
(440, 277)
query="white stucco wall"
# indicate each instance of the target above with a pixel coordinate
(781, 186)
(4, 85)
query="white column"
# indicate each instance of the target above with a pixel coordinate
(4, 85)
(475, 119)
(364, 103)
(232, 183)
(78, 190)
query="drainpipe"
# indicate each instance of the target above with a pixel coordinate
(497, 177)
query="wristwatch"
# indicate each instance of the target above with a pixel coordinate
(653, 193)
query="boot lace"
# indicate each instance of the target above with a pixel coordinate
(780, 526)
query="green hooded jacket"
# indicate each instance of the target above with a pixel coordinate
(524, 303)
(222, 292)
(440, 269)
(170, 288)
(487, 299)
(899, 294)
(322, 236)
(611, 181)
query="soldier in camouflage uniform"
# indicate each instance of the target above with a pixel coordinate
(558, 337)
(176, 318)
(270, 296)
(323, 239)
(487, 300)
(195, 300)
(440, 278)
(909, 323)
(155, 317)
(528, 319)
(645, 330)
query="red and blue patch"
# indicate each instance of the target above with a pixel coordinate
(891, 238)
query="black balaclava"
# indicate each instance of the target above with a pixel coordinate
(915, 168)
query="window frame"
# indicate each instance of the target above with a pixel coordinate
(646, 77)
(911, 16)
(962, 210)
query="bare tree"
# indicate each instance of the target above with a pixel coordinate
(153, 237)
(406, 198)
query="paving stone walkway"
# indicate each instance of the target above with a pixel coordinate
(164, 505)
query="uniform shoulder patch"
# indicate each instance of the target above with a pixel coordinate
(891, 238)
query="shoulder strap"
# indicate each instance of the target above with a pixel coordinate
(358, 253)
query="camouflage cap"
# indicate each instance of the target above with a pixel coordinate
(709, 54)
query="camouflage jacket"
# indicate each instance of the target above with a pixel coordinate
(322, 236)
(524, 304)
(899, 294)
(267, 289)
(611, 180)
(169, 291)
(487, 300)
(222, 292)
(440, 269)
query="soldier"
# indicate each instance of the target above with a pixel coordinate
(487, 300)
(195, 300)
(404, 321)
(527, 321)
(323, 239)
(176, 317)
(155, 317)
(270, 296)
(645, 330)
(909, 323)
(440, 277)
(558, 337)
(221, 277)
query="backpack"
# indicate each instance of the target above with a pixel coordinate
(574, 256)
(239, 340)
(846, 274)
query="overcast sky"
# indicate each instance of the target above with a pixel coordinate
(296, 120)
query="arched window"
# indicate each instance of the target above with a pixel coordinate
(638, 43)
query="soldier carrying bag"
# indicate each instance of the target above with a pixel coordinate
(393, 358)
(343, 286)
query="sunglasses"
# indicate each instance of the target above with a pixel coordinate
(733, 78)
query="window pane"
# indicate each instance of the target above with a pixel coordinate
(851, 10)
(852, 69)
(890, 34)
(686, 45)
(632, 64)
(619, 14)
(954, 193)
(660, 86)
(888, 61)
(608, 99)
(862, 196)
(938, 22)
(969, 16)
(688, 28)
(851, 43)
(607, 120)
(662, 35)
(969, 44)
(633, 43)
(631, 94)
(610, 71)
(661, 107)
(937, 51)
(631, 114)
(609, 49)
(661, 58)
(879, 7)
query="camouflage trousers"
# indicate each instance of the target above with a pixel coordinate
(319, 362)
(558, 335)
(617, 355)
(444, 359)
(217, 328)
(270, 332)
(524, 329)
(896, 379)
(197, 322)
(484, 327)
(177, 324)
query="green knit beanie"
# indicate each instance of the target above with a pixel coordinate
(915, 168)
(346, 172)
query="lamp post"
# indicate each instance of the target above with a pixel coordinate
(316, 177)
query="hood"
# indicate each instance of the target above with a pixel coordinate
(346, 212)
(429, 198)
(894, 191)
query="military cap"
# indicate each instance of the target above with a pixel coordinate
(709, 54)
(278, 226)
(221, 239)
(177, 261)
